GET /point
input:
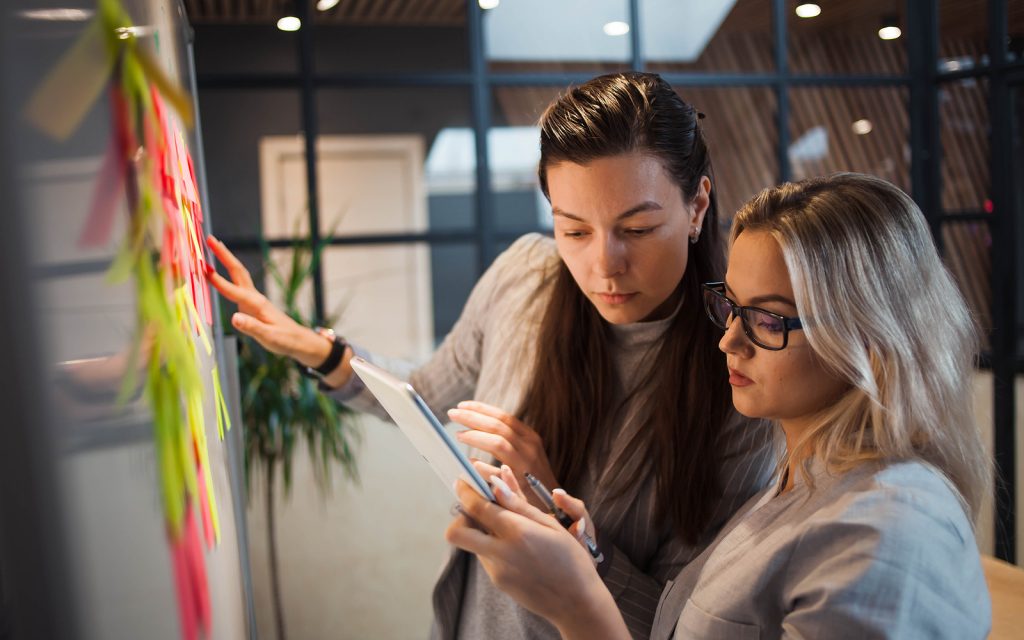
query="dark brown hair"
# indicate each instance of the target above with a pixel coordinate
(571, 394)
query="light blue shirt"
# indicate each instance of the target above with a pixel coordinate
(876, 552)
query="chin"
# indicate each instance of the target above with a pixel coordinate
(620, 315)
(745, 406)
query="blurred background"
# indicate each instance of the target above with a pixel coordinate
(402, 135)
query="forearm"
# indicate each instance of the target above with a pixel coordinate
(635, 592)
(597, 619)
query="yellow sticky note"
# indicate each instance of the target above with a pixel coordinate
(61, 101)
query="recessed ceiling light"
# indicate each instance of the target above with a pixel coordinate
(57, 15)
(289, 23)
(616, 28)
(326, 5)
(488, 4)
(862, 127)
(808, 10)
(890, 28)
(889, 33)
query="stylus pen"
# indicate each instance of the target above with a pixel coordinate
(563, 518)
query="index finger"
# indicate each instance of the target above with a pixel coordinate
(235, 268)
(493, 412)
(230, 290)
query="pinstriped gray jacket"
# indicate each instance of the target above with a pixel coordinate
(488, 357)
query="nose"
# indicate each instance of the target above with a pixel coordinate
(735, 341)
(610, 260)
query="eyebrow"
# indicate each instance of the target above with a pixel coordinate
(771, 297)
(648, 205)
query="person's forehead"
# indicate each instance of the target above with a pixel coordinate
(757, 267)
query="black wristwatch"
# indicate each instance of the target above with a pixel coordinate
(320, 372)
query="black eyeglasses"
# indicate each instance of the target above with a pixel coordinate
(765, 329)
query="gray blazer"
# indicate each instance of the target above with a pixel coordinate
(877, 552)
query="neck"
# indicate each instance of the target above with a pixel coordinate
(794, 431)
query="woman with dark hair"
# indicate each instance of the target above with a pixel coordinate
(588, 358)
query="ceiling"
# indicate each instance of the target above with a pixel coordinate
(348, 12)
(957, 17)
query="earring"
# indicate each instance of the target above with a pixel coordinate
(695, 236)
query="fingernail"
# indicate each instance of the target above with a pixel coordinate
(209, 269)
(581, 528)
(559, 491)
(505, 467)
(464, 403)
(502, 488)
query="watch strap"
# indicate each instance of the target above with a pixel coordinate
(338, 346)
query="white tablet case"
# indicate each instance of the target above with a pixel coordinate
(421, 427)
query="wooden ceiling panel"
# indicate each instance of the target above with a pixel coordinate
(346, 12)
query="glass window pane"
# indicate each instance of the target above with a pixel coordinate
(514, 152)
(964, 131)
(963, 34)
(234, 121)
(244, 48)
(398, 300)
(395, 160)
(741, 134)
(568, 35)
(846, 38)
(392, 37)
(966, 248)
(863, 129)
(718, 35)
(452, 276)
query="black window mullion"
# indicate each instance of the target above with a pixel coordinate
(310, 132)
(925, 142)
(638, 61)
(485, 225)
(1004, 288)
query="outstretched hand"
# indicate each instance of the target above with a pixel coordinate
(529, 556)
(258, 318)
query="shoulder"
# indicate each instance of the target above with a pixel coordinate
(521, 271)
(897, 530)
(899, 526)
(532, 251)
(896, 500)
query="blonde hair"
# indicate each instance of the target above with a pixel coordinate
(880, 310)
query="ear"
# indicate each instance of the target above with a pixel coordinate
(701, 202)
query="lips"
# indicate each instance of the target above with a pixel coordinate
(616, 298)
(737, 379)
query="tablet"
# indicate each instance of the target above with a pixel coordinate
(421, 427)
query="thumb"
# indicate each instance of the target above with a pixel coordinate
(572, 506)
(518, 503)
(251, 327)
(577, 510)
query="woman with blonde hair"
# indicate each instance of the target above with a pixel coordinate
(843, 327)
